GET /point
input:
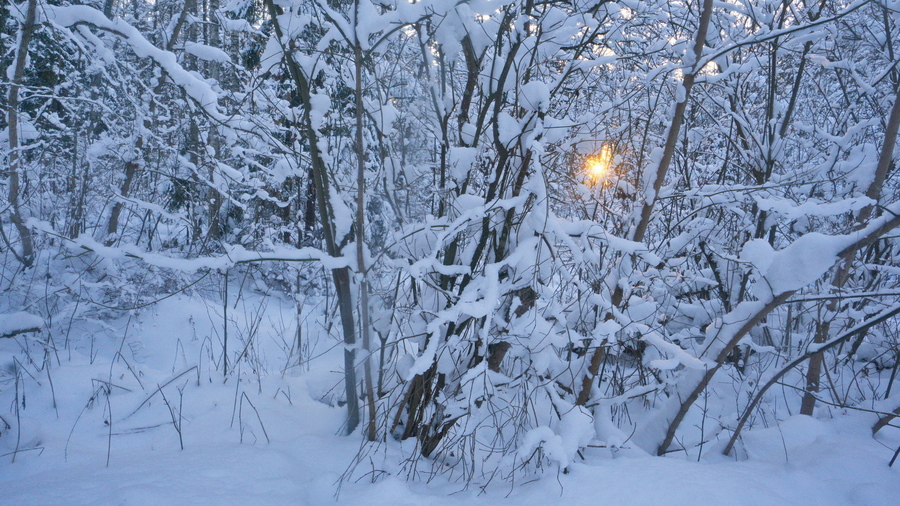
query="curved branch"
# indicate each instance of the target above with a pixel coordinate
(812, 350)
(865, 236)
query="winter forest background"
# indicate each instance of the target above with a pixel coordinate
(472, 242)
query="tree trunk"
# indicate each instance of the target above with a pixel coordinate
(340, 275)
(361, 237)
(12, 106)
(651, 194)
(112, 227)
(886, 157)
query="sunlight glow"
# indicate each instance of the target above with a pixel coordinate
(599, 165)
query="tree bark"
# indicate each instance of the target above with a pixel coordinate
(361, 235)
(651, 195)
(814, 371)
(340, 275)
(12, 106)
(112, 226)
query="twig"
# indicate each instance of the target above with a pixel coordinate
(176, 421)
(159, 388)
(109, 425)
(72, 431)
(838, 405)
(23, 450)
(225, 328)
(130, 369)
(108, 384)
(18, 417)
(263, 427)
(52, 391)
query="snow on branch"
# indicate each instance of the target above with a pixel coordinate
(234, 254)
(765, 34)
(80, 15)
(810, 256)
(813, 348)
(821, 251)
(13, 324)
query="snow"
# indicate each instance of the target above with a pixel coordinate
(462, 160)
(508, 129)
(319, 106)
(535, 96)
(196, 88)
(301, 468)
(801, 263)
(235, 254)
(207, 53)
(810, 208)
(236, 396)
(226, 459)
(16, 323)
(806, 259)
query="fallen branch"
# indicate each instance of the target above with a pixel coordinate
(16, 332)
(13, 324)
(885, 420)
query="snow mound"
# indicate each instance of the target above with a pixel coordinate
(18, 323)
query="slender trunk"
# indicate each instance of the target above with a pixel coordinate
(176, 31)
(212, 38)
(12, 106)
(75, 214)
(340, 275)
(651, 194)
(360, 239)
(309, 209)
(814, 371)
(112, 227)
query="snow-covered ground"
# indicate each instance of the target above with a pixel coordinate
(269, 438)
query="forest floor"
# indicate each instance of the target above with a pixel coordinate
(270, 439)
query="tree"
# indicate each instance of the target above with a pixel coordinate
(543, 223)
(12, 123)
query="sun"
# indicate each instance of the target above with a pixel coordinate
(598, 166)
